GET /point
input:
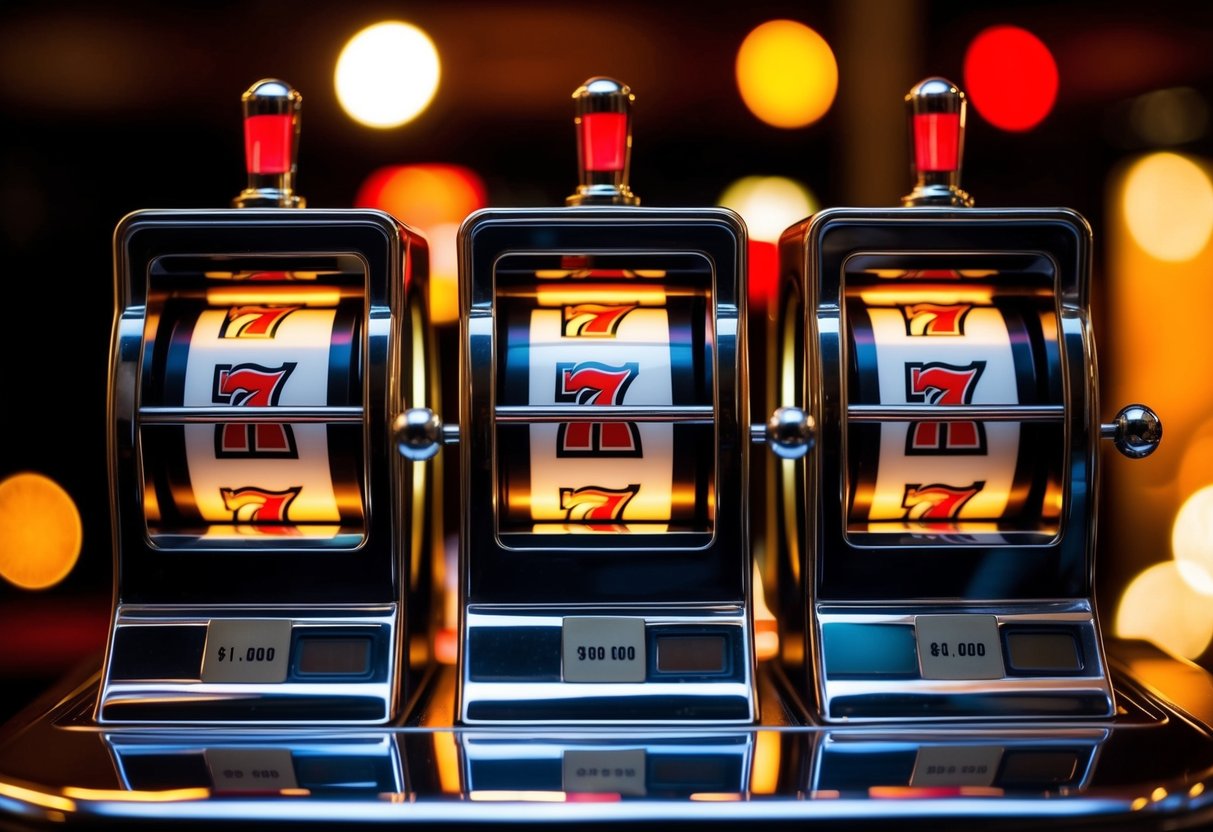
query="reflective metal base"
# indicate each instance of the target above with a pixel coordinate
(1150, 766)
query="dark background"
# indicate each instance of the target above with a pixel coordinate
(112, 107)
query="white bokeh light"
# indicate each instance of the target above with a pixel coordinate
(387, 74)
(768, 204)
(1192, 540)
(1161, 606)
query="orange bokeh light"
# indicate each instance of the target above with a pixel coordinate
(423, 195)
(40, 531)
(434, 199)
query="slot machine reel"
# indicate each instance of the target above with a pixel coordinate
(939, 540)
(273, 556)
(604, 453)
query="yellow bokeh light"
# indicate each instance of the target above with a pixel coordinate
(768, 204)
(1159, 605)
(1168, 206)
(786, 73)
(444, 272)
(1192, 540)
(387, 74)
(1196, 465)
(40, 531)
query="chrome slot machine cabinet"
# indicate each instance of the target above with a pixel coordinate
(272, 549)
(938, 544)
(604, 453)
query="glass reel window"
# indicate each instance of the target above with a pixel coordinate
(954, 419)
(251, 408)
(605, 402)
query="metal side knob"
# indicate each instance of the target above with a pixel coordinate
(418, 433)
(789, 432)
(1136, 431)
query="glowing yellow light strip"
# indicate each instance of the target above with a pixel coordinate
(166, 796)
(602, 294)
(499, 795)
(926, 293)
(47, 801)
(252, 294)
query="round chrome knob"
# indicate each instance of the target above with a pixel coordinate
(418, 433)
(1136, 431)
(790, 432)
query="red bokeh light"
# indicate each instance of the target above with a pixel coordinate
(1010, 77)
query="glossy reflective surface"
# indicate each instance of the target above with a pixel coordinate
(1148, 767)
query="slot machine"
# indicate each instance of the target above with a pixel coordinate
(938, 544)
(603, 444)
(272, 551)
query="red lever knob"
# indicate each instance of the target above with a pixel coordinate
(603, 118)
(271, 144)
(937, 124)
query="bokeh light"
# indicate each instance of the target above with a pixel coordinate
(768, 204)
(40, 531)
(786, 73)
(1192, 540)
(1160, 606)
(1010, 77)
(1168, 206)
(434, 199)
(1170, 116)
(387, 74)
(1195, 469)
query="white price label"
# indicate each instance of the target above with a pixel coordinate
(603, 650)
(959, 647)
(247, 650)
(250, 769)
(609, 771)
(961, 765)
